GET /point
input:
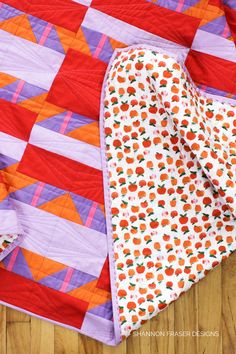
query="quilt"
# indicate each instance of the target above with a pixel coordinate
(117, 156)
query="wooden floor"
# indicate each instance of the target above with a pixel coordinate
(210, 306)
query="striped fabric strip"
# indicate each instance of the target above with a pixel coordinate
(18, 91)
(180, 5)
(66, 280)
(66, 122)
(91, 214)
(12, 259)
(37, 193)
(100, 46)
(45, 34)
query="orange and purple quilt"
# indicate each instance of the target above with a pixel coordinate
(117, 156)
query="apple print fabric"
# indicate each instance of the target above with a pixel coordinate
(170, 152)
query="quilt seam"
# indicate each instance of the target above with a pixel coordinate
(107, 202)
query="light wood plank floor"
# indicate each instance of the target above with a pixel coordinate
(208, 307)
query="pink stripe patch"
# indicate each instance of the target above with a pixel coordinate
(65, 122)
(180, 6)
(45, 34)
(91, 214)
(66, 280)
(37, 193)
(226, 33)
(100, 46)
(13, 259)
(18, 91)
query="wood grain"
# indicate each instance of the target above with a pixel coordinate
(210, 306)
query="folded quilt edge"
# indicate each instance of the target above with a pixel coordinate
(180, 57)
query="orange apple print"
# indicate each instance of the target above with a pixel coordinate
(170, 152)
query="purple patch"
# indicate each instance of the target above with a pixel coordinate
(5, 95)
(104, 310)
(49, 193)
(7, 12)
(38, 26)
(77, 121)
(6, 161)
(216, 26)
(20, 265)
(53, 41)
(169, 4)
(79, 279)
(29, 91)
(57, 279)
(7, 92)
(26, 194)
(106, 52)
(99, 222)
(174, 4)
(217, 92)
(92, 38)
(83, 206)
(5, 204)
(54, 123)
(230, 3)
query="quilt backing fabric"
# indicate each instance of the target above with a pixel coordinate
(99, 239)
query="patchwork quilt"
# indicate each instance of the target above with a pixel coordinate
(117, 156)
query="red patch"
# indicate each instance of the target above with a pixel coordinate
(33, 297)
(77, 86)
(64, 13)
(231, 19)
(217, 3)
(22, 5)
(211, 71)
(174, 26)
(104, 279)
(62, 172)
(16, 120)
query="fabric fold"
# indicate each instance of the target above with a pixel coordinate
(170, 167)
(202, 135)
